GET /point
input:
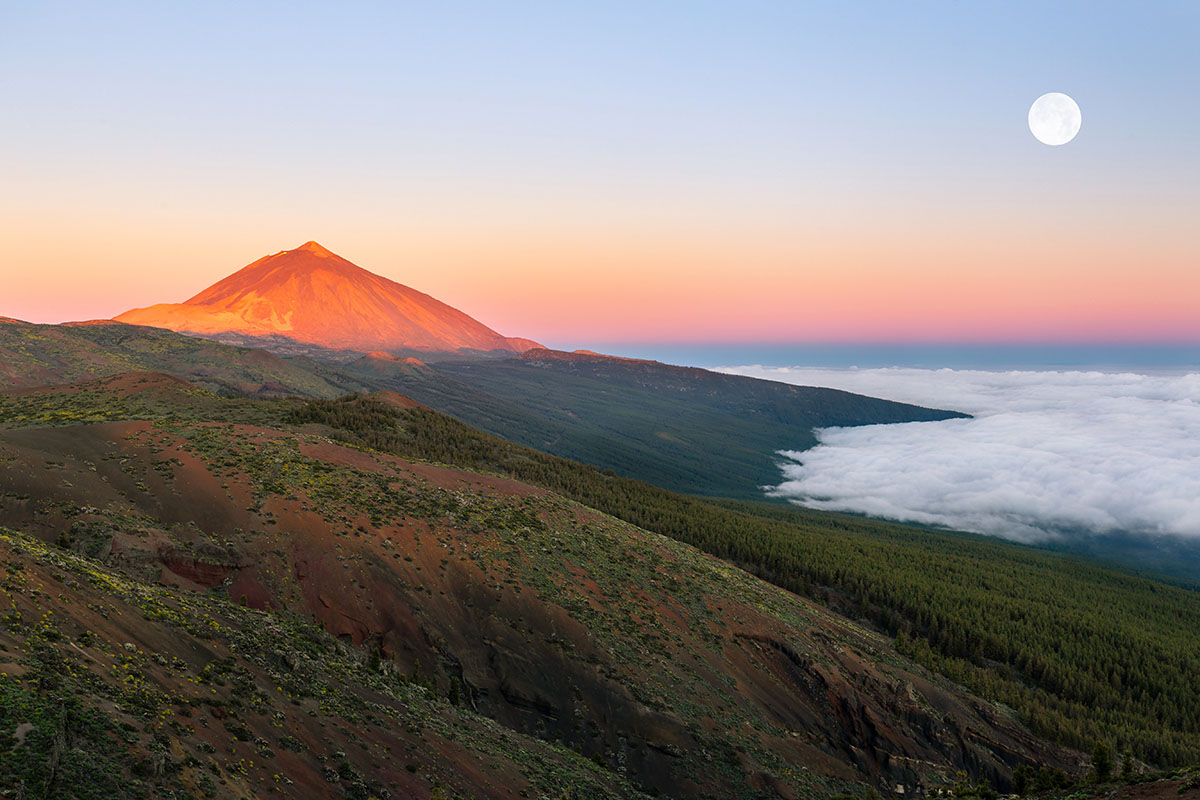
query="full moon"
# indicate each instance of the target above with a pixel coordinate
(1054, 118)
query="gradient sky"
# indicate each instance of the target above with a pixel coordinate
(579, 172)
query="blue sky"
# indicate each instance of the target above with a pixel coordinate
(449, 145)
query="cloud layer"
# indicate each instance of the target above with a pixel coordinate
(1048, 453)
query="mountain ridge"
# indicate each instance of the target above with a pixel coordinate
(685, 428)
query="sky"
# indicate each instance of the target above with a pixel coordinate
(641, 172)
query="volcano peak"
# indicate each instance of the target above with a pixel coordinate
(330, 303)
(314, 248)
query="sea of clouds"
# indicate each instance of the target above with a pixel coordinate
(1047, 454)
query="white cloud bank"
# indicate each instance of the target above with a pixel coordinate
(1048, 453)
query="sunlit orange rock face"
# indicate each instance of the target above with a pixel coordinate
(313, 295)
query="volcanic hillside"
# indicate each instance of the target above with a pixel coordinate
(465, 596)
(312, 295)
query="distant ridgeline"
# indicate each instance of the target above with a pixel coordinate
(688, 430)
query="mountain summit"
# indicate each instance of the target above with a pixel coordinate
(313, 295)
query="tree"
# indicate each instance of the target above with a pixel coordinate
(1020, 779)
(1102, 762)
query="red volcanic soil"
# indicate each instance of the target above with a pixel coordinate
(213, 738)
(557, 622)
(315, 296)
(1158, 790)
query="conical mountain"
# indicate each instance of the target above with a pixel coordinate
(315, 296)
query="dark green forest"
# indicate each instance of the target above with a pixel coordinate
(1083, 654)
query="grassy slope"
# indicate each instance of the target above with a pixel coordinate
(1077, 665)
(661, 663)
(1082, 652)
(36, 355)
(115, 689)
